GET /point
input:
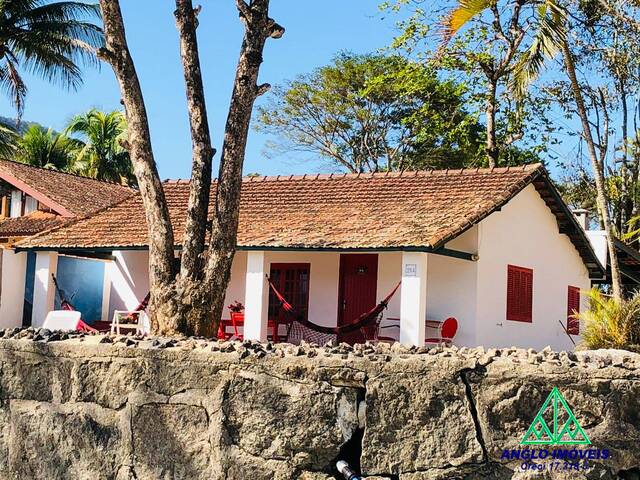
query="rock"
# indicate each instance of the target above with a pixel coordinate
(183, 433)
(272, 417)
(177, 408)
(395, 400)
(65, 441)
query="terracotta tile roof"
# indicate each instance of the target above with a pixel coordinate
(416, 209)
(66, 194)
(29, 224)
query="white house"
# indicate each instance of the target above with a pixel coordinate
(33, 200)
(495, 248)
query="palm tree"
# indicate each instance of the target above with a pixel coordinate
(45, 148)
(101, 153)
(549, 39)
(48, 39)
(8, 138)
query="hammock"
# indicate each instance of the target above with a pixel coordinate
(302, 329)
(66, 305)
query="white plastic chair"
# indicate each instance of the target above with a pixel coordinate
(142, 326)
(62, 320)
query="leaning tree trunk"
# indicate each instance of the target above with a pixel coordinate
(598, 171)
(258, 28)
(161, 245)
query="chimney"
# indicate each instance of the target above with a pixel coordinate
(582, 215)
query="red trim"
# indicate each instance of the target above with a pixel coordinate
(519, 294)
(20, 185)
(573, 307)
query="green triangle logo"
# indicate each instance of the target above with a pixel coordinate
(555, 424)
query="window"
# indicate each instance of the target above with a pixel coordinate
(573, 308)
(519, 294)
(292, 281)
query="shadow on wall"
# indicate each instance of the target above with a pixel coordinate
(129, 278)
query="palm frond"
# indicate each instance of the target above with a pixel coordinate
(13, 85)
(102, 135)
(461, 14)
(50, 39)
(547, 42)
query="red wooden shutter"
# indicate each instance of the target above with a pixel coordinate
(573, 307)
(519, 294)
(292, 281)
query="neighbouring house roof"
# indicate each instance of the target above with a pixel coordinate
(628, 259)
(66, 195)
(29, 224)
(409, 210)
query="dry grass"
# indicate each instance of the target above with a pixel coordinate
(611, 324)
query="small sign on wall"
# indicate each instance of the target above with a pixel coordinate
(410, 270)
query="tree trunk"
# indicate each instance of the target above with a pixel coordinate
(627, 201)
(258, 28)
(194, 293)
(598, 170)
(493, 153)
(192, 302)
(193, 242)
(161, 245)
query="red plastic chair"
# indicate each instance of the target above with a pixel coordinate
(237, 322)
(447, 330)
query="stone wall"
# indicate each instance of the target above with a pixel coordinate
(102, 408)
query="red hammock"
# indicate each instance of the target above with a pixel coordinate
(302, 329)
(83, 326)
(66, 305)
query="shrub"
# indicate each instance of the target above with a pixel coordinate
(611, 324)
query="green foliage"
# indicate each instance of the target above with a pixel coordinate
(488, 57)
(610, 323)
(47, 39)
(373, 112)
(92, 145)
(100, 153)
(44, 148)
(8, 138)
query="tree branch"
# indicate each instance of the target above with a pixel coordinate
(202, 150)
(258, 28)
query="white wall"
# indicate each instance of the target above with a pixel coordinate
(129, 277)
(31, 204)
(323, 282)
(14, 267)
(525, 233)
(16, 203)
(43, 287)
(452, 289)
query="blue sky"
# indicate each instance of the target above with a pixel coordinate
(315, 32)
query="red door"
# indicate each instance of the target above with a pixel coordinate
(357, 290)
